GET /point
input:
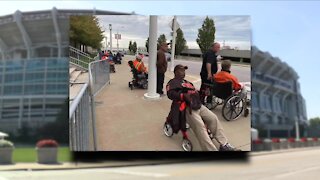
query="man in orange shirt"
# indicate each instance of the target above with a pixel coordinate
(138, 64)
(225, 75)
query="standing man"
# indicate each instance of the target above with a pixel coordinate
(161, 66)
(209, 68)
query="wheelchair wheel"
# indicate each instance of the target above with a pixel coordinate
(145, 86)
(246, 112)
(167, 129)
(232, 108)
(186, 145)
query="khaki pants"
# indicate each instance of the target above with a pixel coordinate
(198, 121)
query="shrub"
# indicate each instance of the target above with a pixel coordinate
(315, 139)
(5, 143)
(291, 140)
(47, 143)
(303, 139)
(257, 141)
(275, 140)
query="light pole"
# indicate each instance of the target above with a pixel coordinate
(110, 28)
(106, 42)
(118, 36)
(173, 45)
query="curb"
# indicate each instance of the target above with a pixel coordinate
(78, 165)
(261, 153)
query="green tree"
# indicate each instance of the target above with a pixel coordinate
(181, 43)
(147, 45)
(315, 121)
(85, 30)
(206, 34)
(134, 47)
(162, 38)
(130, 46)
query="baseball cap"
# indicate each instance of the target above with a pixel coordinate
(180, 66)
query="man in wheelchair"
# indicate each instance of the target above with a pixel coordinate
(140, 67)
(187, 107)
(139, 72)
(225, 75)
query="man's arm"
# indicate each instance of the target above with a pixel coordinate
(208, 65)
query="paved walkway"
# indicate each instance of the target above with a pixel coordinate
(126, 121)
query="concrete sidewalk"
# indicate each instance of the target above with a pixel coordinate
(128, 122)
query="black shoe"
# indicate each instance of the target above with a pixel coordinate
(228, 147)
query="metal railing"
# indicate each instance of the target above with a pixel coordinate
(81, 123)
(82, 129)
(79, 58)
(99, 75)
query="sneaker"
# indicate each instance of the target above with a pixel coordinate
(228, 147)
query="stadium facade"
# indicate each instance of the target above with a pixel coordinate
(277, 103)
(34, 63)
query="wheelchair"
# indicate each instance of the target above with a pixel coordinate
(234, 103)
(138, 80)
(186, 143)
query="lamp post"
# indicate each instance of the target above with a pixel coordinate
(110, 28)
(173, 45)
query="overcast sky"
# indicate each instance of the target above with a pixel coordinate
(234, 30)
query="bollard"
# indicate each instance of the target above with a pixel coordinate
(303, 142)
(291, 143)
(310, 142)
(257, 145)
(283, 143)
(316, 141)
(275, 143)
(267, 145)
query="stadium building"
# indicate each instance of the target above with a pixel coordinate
(277, 103)
(34, 66)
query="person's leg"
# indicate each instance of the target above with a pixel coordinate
(213, 123)
(162, 81)
(200, 130)
(158, 82)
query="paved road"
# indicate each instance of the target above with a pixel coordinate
(300, 164)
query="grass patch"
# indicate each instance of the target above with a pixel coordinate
(30, 155)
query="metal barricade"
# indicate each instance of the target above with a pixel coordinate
(99, 75)
(81, 124)
(82, 130)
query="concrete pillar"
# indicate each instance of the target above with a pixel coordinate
(152, 79)
(297, 130)
(173, 45)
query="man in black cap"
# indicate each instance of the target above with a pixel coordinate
(187, 107)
